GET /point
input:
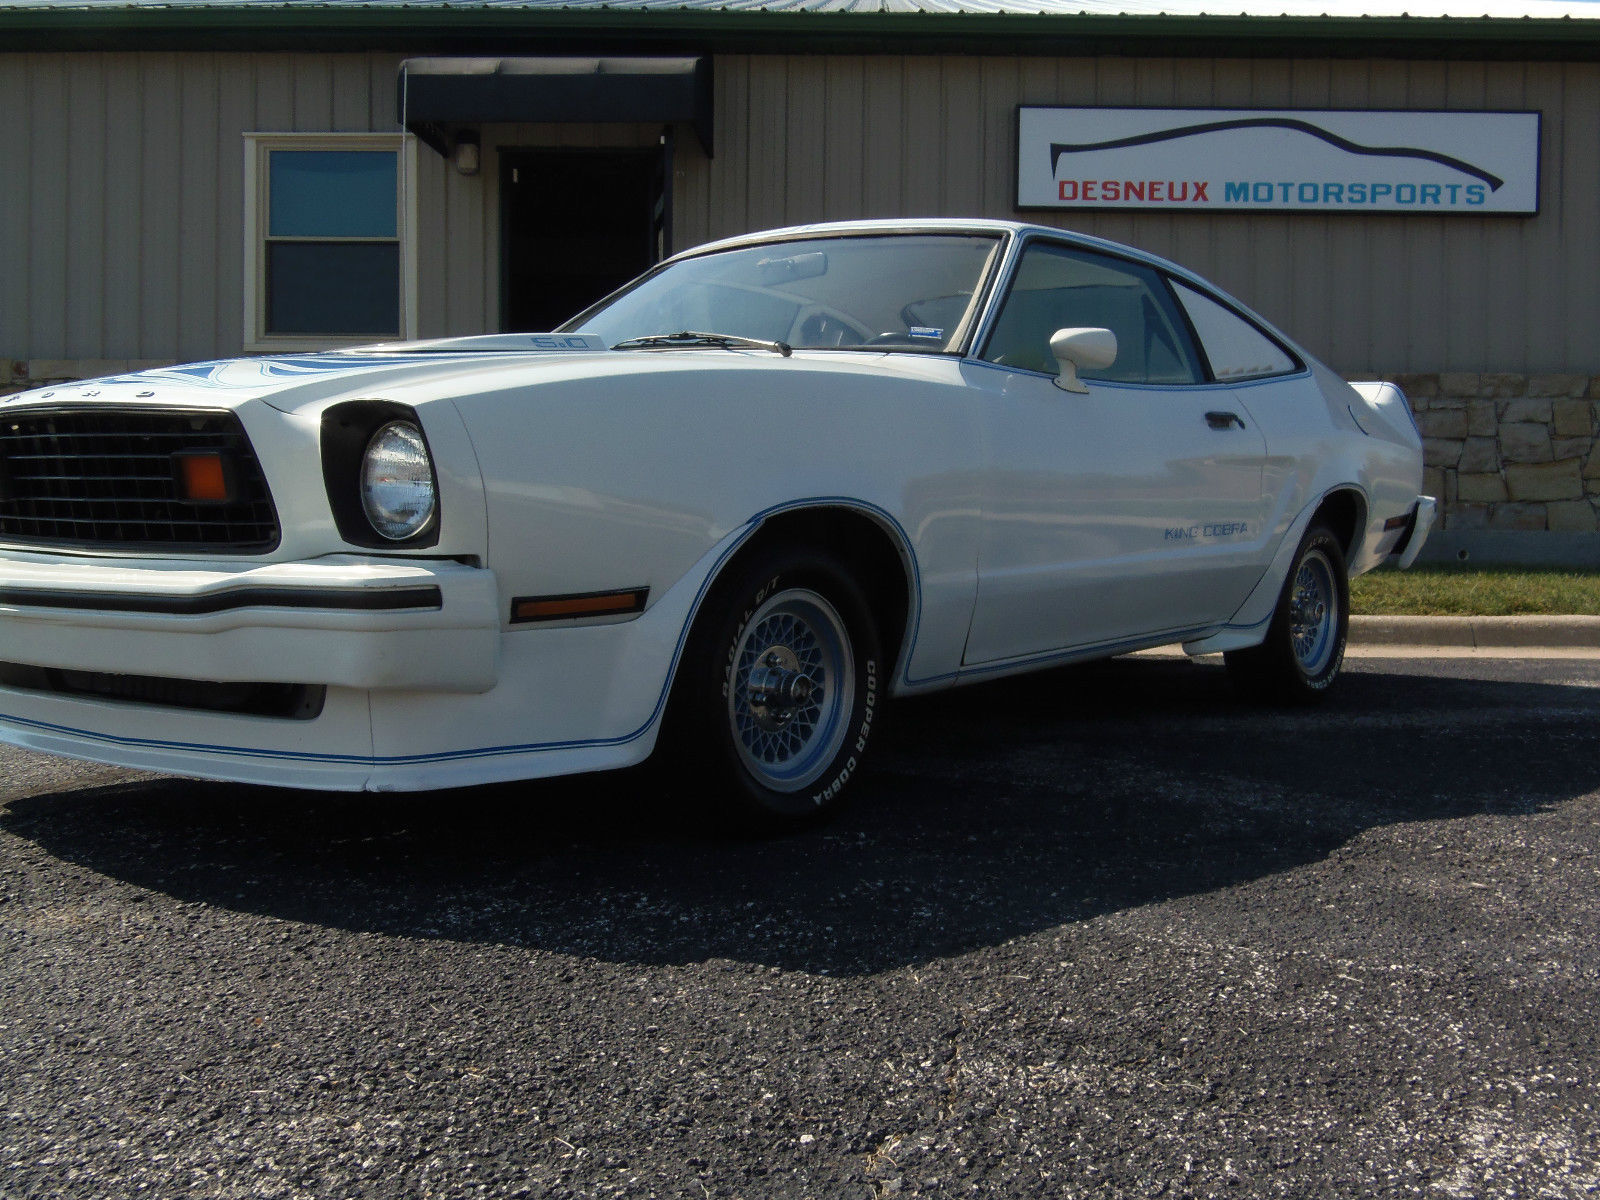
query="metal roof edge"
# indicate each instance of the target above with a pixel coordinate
(380, 26)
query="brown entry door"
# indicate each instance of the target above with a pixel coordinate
(576, 224)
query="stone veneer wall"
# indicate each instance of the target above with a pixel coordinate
(1510, 452)
(1501, 452)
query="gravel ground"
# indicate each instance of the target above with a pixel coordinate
(1100, 932)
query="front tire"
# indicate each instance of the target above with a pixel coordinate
(778, 691)
(1304, 648)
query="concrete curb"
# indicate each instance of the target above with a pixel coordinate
(1477, 633)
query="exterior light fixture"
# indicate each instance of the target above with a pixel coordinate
(466, 156)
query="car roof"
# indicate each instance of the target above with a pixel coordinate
(883, 225)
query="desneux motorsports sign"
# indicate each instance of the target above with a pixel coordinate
(1278, 160)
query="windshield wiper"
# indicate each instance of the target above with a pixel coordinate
(727, 341)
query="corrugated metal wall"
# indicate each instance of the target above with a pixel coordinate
(127, 239)
(865, 137)
(121, 192)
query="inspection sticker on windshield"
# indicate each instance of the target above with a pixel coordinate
(923, 331)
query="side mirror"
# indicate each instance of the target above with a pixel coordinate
(1092, 349)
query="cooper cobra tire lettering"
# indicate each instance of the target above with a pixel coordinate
(863, 734)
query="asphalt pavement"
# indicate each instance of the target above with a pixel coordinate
(1099, 932)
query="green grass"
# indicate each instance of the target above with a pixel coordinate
(1475, 591)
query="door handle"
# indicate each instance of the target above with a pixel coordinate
(1224, 420)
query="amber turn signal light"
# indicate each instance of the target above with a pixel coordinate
(202, 478)
(591, 604)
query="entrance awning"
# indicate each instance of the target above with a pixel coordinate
(436, 93)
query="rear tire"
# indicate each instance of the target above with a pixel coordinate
(777, 692)
(1304, 648)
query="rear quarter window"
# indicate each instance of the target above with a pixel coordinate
(1234, 347)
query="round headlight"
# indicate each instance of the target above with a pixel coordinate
(397, 481)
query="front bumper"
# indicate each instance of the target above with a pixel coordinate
(348, 620)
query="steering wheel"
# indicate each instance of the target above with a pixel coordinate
(820, 327)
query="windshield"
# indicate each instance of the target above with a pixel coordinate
(910, 291)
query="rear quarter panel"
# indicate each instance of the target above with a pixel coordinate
(1315, 446)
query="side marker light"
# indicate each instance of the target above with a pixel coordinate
(1401, 521)
(586, 604)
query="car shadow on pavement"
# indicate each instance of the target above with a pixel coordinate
(994, 812)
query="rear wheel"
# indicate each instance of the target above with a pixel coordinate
(778, 690)
(1304, 647)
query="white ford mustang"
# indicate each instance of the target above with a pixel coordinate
(731, 509)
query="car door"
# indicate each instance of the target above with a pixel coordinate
(1129, 510)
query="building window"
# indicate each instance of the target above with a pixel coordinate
(329, 239)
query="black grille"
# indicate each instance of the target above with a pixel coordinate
(293, 701)
(109, 478)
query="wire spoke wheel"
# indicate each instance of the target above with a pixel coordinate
(1303, 650)
(773, 712)
(1313, 612)
(791, 689)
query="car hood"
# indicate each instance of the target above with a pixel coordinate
(297, 381)
(422, 373)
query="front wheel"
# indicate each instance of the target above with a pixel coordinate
(1304, 648)
(778, 690)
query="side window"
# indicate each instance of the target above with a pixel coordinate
(328, 249)
(1235, 348)
(1058, 287)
